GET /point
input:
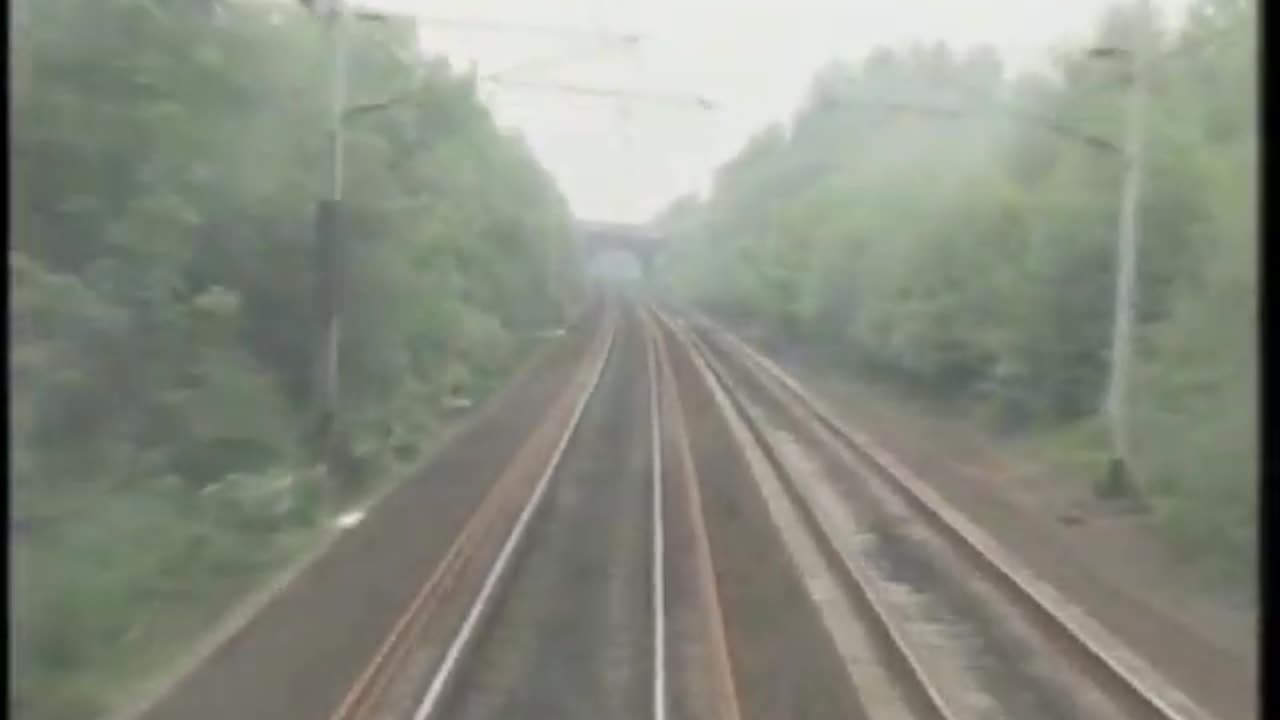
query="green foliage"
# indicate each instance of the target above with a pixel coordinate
(101, 598)
(1198, 382)
(167, 159)
(908, 218)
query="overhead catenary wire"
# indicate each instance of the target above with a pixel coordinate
(543, 62)
(655, 96)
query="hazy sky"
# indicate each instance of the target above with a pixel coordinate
(755, 58)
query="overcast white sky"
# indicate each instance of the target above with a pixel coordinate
(625, 161)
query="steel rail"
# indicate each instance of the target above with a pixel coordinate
(724, 693)
(1140, 689)
(442, 679)
(658, 572)
(855, 580)
(368, 689)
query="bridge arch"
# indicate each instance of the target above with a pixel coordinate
(639, 241)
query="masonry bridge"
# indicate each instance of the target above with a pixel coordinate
(640, 241)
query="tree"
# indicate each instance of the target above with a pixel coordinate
(165, 157)
(941, 221)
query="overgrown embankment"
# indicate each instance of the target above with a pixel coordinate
(166, 159)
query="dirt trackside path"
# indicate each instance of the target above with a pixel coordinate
(295, 659)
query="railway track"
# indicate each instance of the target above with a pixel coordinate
(589, 593)
(539, 632)
(688, 534)
(464, 586)
(292, 650)
(1085, 671)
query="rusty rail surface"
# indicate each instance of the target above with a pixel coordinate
(486, 521)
